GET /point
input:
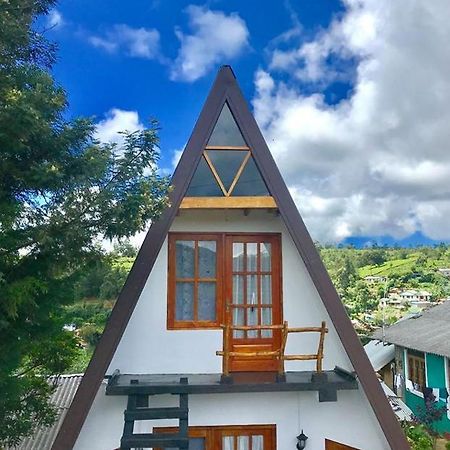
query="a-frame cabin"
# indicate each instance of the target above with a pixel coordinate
(228, 334)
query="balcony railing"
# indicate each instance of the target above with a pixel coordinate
(227, 353)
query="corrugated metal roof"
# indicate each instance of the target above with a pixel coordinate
(427, 332)
(379, 354)
(401, 410)
(62, 397)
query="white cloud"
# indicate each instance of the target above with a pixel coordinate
(135, 42)
(115, 121)
(55, 19)
(378, 161)
(176, 157)
(215, 38)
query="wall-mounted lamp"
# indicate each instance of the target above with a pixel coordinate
(301, 438)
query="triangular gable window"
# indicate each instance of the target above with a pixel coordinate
(250, 182)
(226, 164)
(226, 132)
(227, 175)
(203, 182)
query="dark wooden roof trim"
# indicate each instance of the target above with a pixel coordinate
(225, 88)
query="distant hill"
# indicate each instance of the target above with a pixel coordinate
(416, 239)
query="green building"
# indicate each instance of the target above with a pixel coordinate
(422, 359)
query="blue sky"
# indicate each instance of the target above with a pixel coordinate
(98, 80)
(352, 96)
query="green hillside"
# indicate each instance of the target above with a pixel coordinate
(414, 268)
(391, 267)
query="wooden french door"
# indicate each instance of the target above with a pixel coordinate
(228, 437)
(253, 297)
(331, 445)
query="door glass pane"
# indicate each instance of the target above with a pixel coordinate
(243, 442)
(185, 251)
(252, 252)
(238, 256)
(226, 132)
(228, 443)
(257, 443)
(252, 299)
(203, 183)
(250, 182)
(252, 292)
(194, 444)
(238, 319)
(207, 259)
(238, 289)
(266, 317)
(206, 301)
(184, 299)
(252, 319)
(266, 254)
(227, 163)
(266, 289)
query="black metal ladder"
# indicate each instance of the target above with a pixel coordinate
(136, 410)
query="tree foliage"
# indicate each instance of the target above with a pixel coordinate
(60, 192)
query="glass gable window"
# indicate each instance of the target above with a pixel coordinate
(226, 132)
(203, 183)
(227, 167)
(193, 278)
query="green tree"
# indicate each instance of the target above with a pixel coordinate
(60, 190)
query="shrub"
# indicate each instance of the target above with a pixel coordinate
(418, 437)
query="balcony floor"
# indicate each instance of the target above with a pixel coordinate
(326, 383)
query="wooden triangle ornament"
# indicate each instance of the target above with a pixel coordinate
(225, 91)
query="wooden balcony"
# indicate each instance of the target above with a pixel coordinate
(326, 383)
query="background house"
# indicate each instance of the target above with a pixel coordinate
(422, 357)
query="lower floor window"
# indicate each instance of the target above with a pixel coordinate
(233, 437)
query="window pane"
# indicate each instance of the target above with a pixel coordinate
(257, 443)
(266, 289)
(203, 183)
(228, 443)
(250, 182)
(207, 259)
(266, 316)
(252, 260)
(238, 256)
(227, 163)
(184, 298)
(243, 442)
(184, 259)
(238, 289)
(226, 131)
(206, 301)
(266, 253)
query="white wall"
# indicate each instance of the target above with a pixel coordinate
(344, 421)
(193, 351)
(147, 347)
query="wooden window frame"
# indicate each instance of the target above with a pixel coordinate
(213, 434)
(172, 323)
(416, 375)
(221, 276)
